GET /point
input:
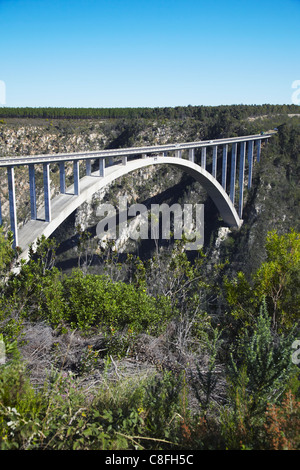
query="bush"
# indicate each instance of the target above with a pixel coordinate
(259, 375)
(282, 426)
(266, 359)
(134, 413)
(92, 300)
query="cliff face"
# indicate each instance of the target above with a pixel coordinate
(272, 202)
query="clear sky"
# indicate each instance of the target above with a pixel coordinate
(135, 53)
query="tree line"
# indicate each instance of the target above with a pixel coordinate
(240, 111)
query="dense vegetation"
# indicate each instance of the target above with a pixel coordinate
(178, 112)
(166, 352)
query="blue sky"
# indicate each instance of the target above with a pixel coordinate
(129, 53)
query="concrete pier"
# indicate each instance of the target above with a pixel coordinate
(47, 193)
(241, 177)
(233, 172)
(203, 158)
(258, 147)
(62, 177)
(88, 167)
(76, 177)
(224, 166)
(214, 161)
(124, 160)
(192, 155)
(250, 162)
(32, 190)
(102, 167)
(12, 204)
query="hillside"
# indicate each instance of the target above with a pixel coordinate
(149, 347)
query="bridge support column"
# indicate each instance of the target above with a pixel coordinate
(241, 178)
(203, 157)
(76, 177)
(224, 166)
(124, 160)
(88, 167)
(250, 162)
(233, 172)
(32, 192)
(192, 155)
(47, 194)
(62, 177)
(258, 150)
(214, 161)
(144, 155)
(178, 154)
(101, 166)
(12, 204)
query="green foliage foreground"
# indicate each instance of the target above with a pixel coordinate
(152, 412)
(250, 362)
(82, 301)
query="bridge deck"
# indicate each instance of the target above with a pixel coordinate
(59, 157)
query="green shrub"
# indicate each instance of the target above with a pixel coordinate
(19, 406)
(163, 405)
(92, 300)
(260, 372)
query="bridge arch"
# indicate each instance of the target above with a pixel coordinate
(63, 205)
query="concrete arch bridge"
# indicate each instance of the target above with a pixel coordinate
(192, 157)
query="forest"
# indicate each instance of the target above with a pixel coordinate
(179, 112)
(165, 352)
